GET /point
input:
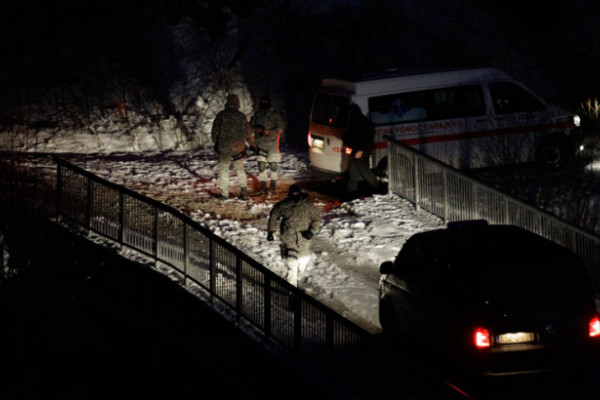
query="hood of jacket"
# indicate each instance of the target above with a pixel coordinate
(233, 102)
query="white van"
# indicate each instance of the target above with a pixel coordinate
(467, 118)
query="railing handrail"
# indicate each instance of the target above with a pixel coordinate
(488, 187)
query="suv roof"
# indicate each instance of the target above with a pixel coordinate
(502, 242)
(504, 262)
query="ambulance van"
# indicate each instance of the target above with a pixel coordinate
(467, 118)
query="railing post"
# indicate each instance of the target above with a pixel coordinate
(59, 183)
(476, 202)
(390, 171)
(417, 185)
(186, 256)
(121, 217)
(267, 308)
(446, 207)
(88, 217)
(213, 271)
(238, 286)
(155, 235)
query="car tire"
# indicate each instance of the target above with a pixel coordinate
(553, 152)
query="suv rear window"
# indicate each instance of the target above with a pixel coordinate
(506, 267)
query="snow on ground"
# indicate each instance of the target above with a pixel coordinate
(355, 237)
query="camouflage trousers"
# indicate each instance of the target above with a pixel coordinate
(296, 261)
(267, 171)
(224, 164)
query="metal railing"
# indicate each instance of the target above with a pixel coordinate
(446, 192)
(309, 330)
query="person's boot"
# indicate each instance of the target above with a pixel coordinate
(263, 187)
(273, 184)
(242, 195)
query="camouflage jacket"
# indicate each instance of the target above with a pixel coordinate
(295, 218)
(267, 126)
(230, 130)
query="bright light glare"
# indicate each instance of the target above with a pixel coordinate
(516, 337)
(595, 327)
(310, 141)
(576, 120)
(348, 150)
(482, 338)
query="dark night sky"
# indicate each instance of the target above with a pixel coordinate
(70, 41)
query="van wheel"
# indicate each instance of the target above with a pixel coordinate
(553, 152)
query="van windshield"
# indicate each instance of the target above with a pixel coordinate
(510, 98)
(444, 103)
(331, 110)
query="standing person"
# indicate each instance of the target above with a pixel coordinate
(230, 135)
(300, 221)
(359, 137)
(268, 125)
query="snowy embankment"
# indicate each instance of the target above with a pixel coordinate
(355, 237)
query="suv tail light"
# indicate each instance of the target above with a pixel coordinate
(482, 338)
(595, 327)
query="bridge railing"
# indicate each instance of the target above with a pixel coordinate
(307, 329)
(451, 195)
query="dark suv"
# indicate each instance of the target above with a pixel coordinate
(491, 300)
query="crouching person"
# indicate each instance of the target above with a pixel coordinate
(299, 220)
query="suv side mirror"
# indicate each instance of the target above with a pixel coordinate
(386, 267)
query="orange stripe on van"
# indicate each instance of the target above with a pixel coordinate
(474, 135)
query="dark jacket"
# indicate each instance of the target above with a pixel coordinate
(273, 123)
(230, 130)
(359, 135)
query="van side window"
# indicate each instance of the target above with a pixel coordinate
(457, 102)
(400, 107)
(330, 110)
(510, 98)
(446, 103)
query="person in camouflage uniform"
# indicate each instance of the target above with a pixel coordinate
(300, 221)
(231, 134)
(267, 125)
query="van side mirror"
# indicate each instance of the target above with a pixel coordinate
(386, 267)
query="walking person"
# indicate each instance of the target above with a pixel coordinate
(299, 221)
(267, 125)
(231, 135)
(359, 137)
